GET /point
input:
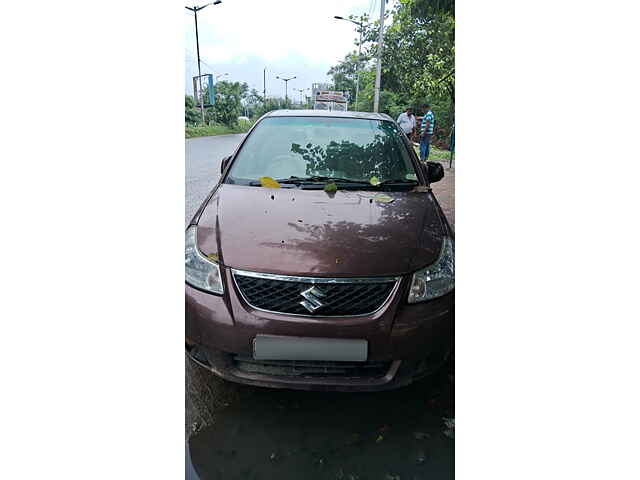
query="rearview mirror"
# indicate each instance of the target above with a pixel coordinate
(434, 171)
(224, 163)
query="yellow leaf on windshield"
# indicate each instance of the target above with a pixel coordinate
(269, 182)
(374, 181)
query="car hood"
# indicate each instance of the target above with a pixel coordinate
(310, 232)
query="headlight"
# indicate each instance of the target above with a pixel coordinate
(200, 272)
(435, 280)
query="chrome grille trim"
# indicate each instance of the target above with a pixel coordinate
(288, 278)
(318, 280)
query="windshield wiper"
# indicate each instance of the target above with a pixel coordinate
(320, 178)
(398, 180)
(313, 179)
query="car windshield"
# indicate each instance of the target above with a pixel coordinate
(317, 148)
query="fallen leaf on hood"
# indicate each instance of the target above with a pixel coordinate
(213, 257)
(330, 188)
(269, 182)
(383, 198)
(374, 181)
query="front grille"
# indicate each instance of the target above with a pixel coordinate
(329, 299)
(311, 368)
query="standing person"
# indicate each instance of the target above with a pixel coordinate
(426, 132)
(407, 121)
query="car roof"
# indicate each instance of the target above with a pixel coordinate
(326, 113)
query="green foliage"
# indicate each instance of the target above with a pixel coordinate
(425, 8)
(216, 129)
(253, 102)
(191, 113)
(418, 61)
(391, 102)
(437, 154)
(275, 104)
(419, 54)
(331, 187)
(228, 106)
(344, 74)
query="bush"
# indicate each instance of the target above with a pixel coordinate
(216, 129)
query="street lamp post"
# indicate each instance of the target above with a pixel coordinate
(301, 91)
(376, 92)
(360, 25)
(286, 83)
(195, 11)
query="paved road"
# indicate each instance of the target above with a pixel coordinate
(246, 432)
(203, 156)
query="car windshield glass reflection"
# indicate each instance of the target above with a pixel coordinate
(306, 150)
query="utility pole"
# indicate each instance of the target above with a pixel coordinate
(195, 11)
(286, 83)
(264, 86)
(376, 93)
(360, 27)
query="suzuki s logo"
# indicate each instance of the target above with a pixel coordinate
(312, 302)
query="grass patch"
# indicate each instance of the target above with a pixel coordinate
(436, 154)
(211, 130)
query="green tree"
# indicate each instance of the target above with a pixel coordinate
(228, 104)
(275, 104)
(418, 60)
(191, 113)
(253, 102)
(344, 75)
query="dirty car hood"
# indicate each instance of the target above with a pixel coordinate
(309, 232)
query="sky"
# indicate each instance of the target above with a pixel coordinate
(289, 37)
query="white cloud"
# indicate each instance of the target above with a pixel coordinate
(289, 37)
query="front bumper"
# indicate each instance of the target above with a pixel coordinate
(410, 340)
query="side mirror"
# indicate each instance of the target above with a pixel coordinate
(224, 163)
(434, 171)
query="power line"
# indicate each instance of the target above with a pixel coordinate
(190, 54)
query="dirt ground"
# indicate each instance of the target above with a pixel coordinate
(444, 191)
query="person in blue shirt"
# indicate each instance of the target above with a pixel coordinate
(426, 131)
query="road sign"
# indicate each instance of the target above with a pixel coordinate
(208, 85)
(330, 96)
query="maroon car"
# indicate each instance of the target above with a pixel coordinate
(321, 260)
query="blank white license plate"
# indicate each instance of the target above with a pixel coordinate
(274, 347)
